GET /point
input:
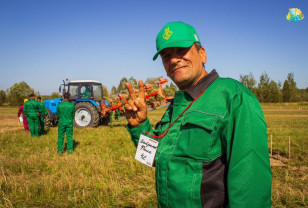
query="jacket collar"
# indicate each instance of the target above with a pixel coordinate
(202, 85)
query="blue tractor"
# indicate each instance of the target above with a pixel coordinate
(87, 95)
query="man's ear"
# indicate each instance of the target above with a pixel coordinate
(202, 53)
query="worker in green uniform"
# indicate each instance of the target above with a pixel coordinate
(111, 112)
(118, 115)
(212, 141)
(32, 111)
(111, 117)
(66, 114)
(43, 115)
(87, 93)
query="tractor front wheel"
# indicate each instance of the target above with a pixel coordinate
(86, 115)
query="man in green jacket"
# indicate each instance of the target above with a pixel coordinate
(66, 114)
(43, 115)
(86, 94)
(32, 111)
(212, 149)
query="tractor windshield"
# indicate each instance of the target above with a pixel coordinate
(85, 91)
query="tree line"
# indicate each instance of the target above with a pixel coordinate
(269, 91)
(15, 95)
(266, 90)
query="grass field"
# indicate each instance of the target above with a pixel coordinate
(102, 171)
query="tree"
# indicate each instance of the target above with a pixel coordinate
(274, 92)
(18, 92)
(113, 90)
(289, 90)
(167, 91)
(105, 92)
(248, 80)
(286, 92)
(133, 82)
(170, 90)
(303, 94)
(122, 86)
(173, 87)
(55, 95)
(2, 97)
(52, 96)
(263, 88)
(150, 80)
(293, 88)
(279, 84)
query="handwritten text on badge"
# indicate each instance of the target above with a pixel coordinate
(146, 150)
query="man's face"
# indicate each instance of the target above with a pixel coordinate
(184, 65)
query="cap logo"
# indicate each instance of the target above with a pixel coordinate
(196, 37)
(167, 33)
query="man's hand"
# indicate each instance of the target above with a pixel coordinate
(135, 109)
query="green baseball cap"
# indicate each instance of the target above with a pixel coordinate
(175, 34)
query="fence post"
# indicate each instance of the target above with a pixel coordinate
(271, 145)
(289, 147)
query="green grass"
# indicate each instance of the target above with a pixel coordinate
(290, 181)
(102, 171)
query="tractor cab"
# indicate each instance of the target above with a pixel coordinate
(85, 90)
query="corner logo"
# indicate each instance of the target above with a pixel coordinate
(294, 15)
(167, 34)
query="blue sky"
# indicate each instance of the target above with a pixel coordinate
(43, 42)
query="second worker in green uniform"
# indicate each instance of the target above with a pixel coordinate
(66, 114)
(32, 111)
(43, 115)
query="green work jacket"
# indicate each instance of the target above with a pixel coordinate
(30, 110)
(85, 95)
(43, 110)
(66, 113)
(216, 153)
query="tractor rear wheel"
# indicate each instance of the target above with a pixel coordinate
(49, 119)
(86, 115)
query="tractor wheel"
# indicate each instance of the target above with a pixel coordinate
(55, 119)
(86, 115)
(49, 121)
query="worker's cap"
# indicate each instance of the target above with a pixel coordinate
(25, 100)
(175, 34)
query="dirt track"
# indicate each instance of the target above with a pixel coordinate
(284, 110)
(285, 115)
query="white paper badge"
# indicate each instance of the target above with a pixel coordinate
(21, 119)
(146, 150)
